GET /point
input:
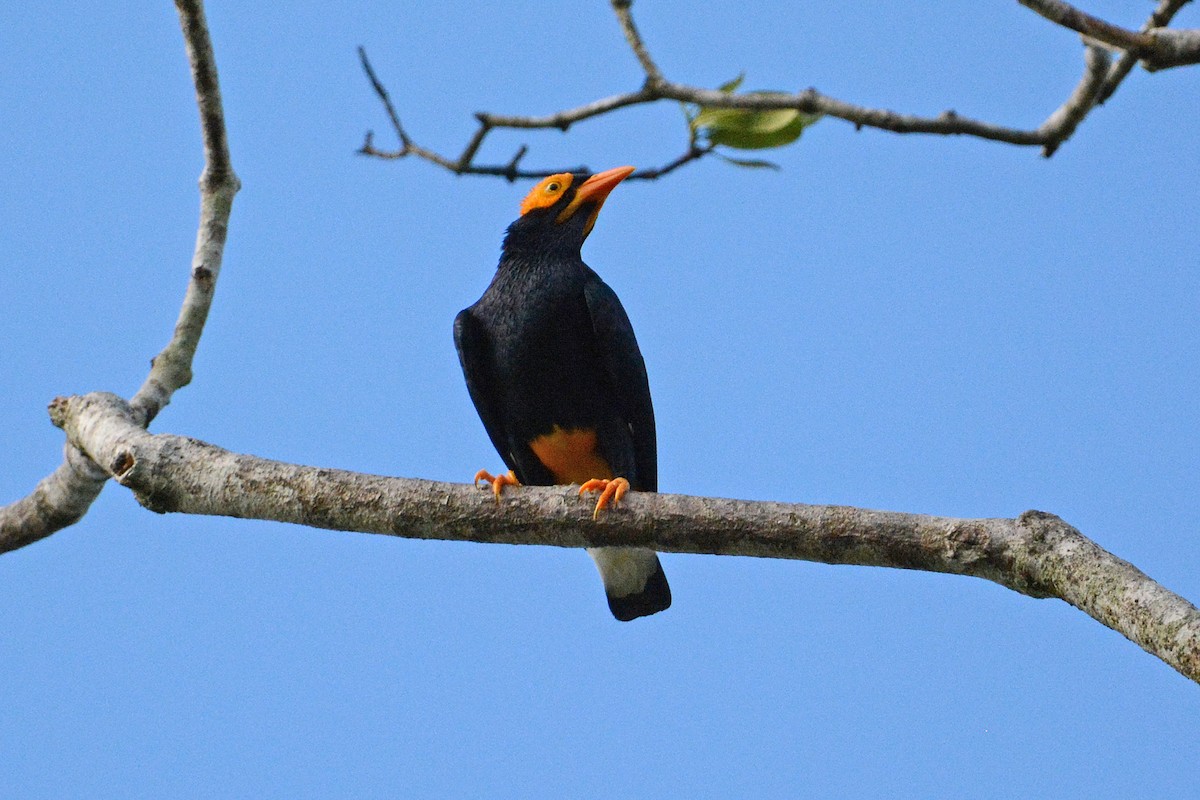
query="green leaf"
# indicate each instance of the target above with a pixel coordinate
(747, 129)
(731, 86)
(752, 163)
(690, 111)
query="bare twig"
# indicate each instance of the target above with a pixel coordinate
(1062, 123)
(694, 153)
(1036, 554)
(378, 86)
(622, 8)
(62, 498)
(464, 164)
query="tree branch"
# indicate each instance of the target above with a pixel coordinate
(464, 164)
(1158, 48)
(1036, 554)
(62, 498)
(58, 501)
(1162, 16)
(624, 11)
(1099, 81)
(1068, 16)
(172, 368)
(1062, 123)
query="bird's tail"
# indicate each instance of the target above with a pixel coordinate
(633, 580)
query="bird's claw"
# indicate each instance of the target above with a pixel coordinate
(611, 491)
(498, 482)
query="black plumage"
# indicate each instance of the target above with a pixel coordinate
(555, 372)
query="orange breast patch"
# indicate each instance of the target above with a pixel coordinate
(571, 455)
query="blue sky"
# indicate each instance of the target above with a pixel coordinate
(910, 323)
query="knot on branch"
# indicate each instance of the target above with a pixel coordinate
(1039, 524)
(203, 275)
(967, 543)
(653, 85)
(122, 464)
(219, 179)
(1039, 533)
(58, 411)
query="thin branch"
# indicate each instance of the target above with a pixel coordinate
(468, 154)
(464, 164)
(378, 86)
(62, 498)
(1036, 554)
(1157, 47)
(1099, 81)
(810, 101)
(694, 153)
(1062, 123)
(171, 369)
(623, 10)
(563, 120)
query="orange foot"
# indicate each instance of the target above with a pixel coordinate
(498, 482)
(610, 491)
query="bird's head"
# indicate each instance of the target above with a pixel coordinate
(560, 212)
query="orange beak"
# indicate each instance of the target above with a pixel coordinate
(594, 190)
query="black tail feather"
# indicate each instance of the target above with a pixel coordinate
(655, 597)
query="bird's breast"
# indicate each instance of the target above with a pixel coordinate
(571, 455)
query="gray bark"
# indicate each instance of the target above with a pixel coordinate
(1036, 554)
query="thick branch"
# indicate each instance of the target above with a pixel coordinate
(64, 496)
(1036, 554)
(58, 501)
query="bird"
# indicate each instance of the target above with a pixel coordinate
(555, 372)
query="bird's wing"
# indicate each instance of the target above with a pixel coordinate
(627, 371)
(471, 341)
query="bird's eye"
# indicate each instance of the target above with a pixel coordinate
(553, 187)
